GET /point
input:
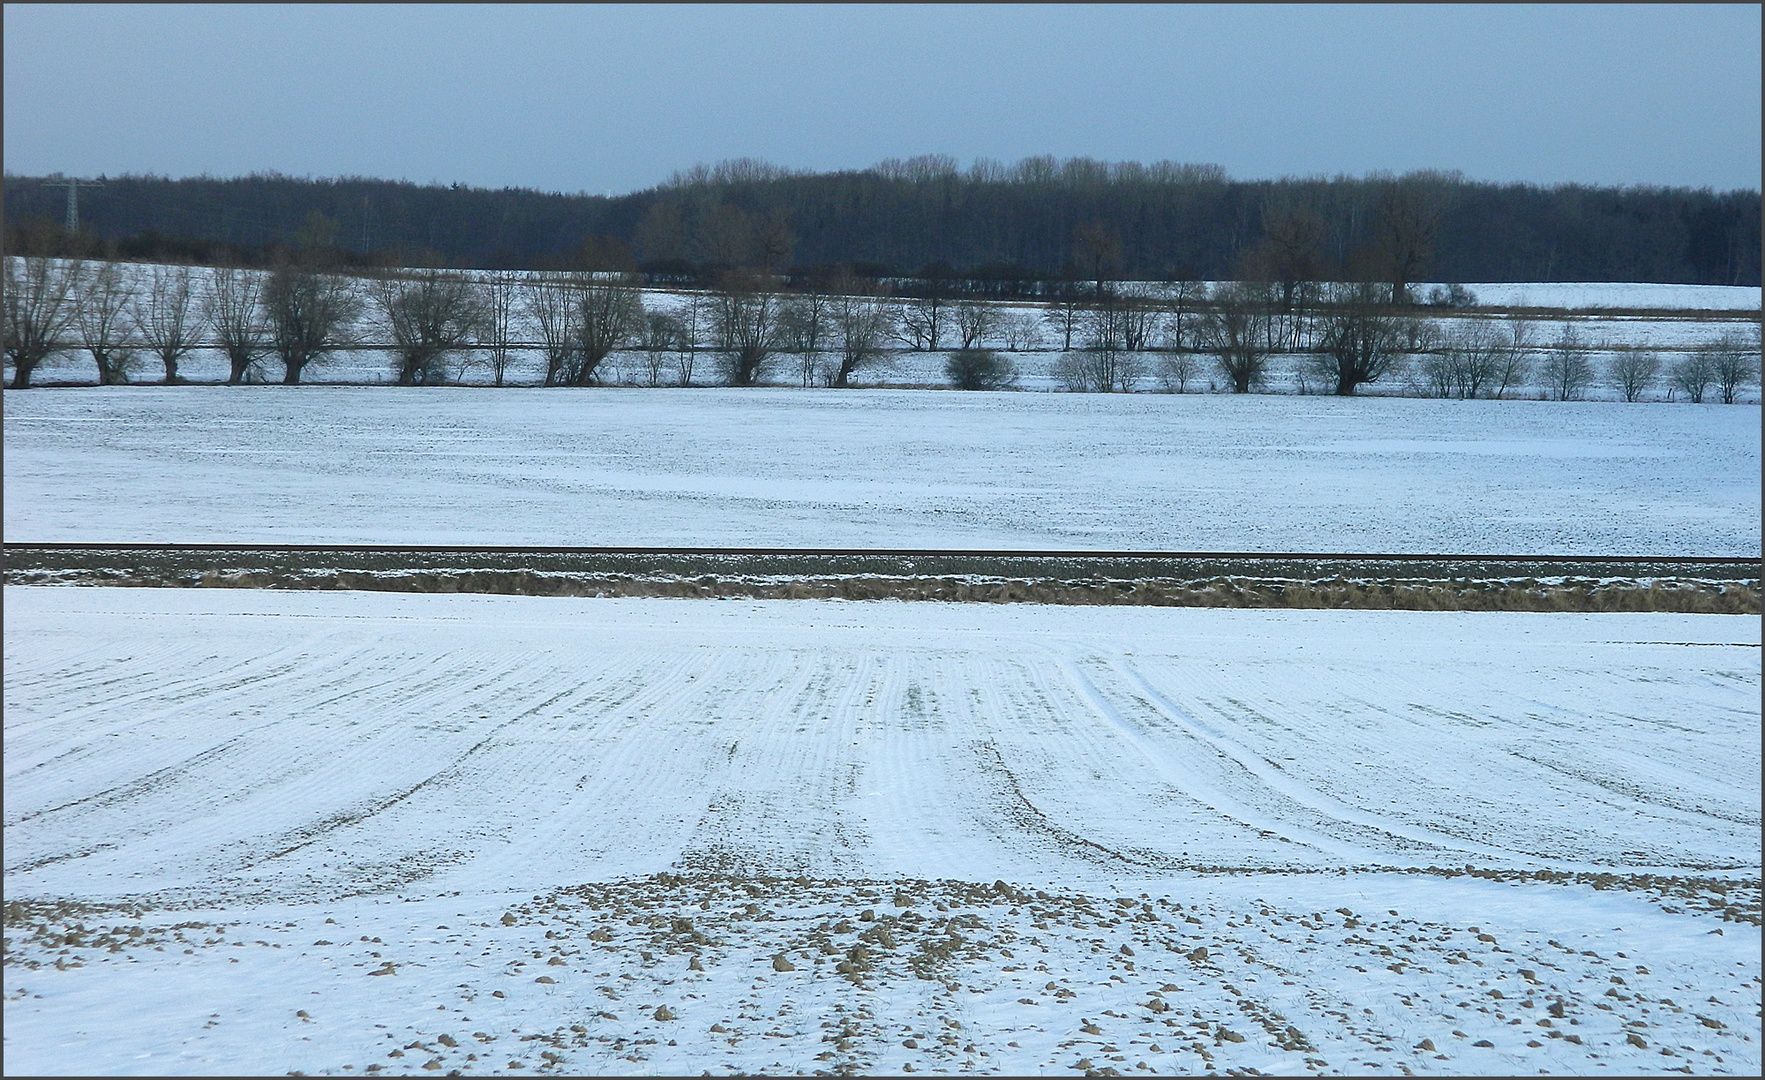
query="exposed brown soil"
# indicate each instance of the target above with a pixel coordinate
(1525, 594)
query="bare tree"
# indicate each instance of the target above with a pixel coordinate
(1362, 340)
(609, 312)
(40, 304)
(309, 314)
(1406, 223)
(693, 316)
(1733, 365)
(1113, 358)
(101, 316)
(1568, 366)
(1121, 318)
(803, 323)
(1632, 372)
(430, 317)
(1066, 312)
(1102, 325)
(1187, 297)
(1138, 319)
(1072, 373)
(1021, 331)
(1130, 370)
(1433, 374)
(804, 320)
(168, 317)
(1467, 362)
(1289, 255)
(498, 328)
(1175, 369)
(746, 320)
(1176, 365)
(235, 311)
(661, 335)
(1235, 330)
(974, 322)
(1097, 252)
(1693, 374)
(1101, 369)
(861, 320)
(1480, 355)
(921, 322)
(552, 306)
(1514, 360)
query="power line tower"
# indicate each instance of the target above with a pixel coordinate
(73, 197)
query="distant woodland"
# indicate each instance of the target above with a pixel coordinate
(1002, 229)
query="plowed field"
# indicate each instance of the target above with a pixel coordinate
(668, 835)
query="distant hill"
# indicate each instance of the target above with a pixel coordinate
(1039, 219)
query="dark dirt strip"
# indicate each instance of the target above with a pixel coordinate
(1177, 579)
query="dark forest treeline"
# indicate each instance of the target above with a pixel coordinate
(1040, 219)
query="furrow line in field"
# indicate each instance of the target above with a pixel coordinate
(1092, 782)
(1627, 795)
(1288, 786)
(1028, 817)
(1268, 778)
(1377, 738)
(144, 784)
(1039, 766)
(357, 814)
(322, 769)
(649, 773)
(801, 807)
(146, 683)
(1201, 772)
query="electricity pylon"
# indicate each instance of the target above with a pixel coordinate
(73, 198)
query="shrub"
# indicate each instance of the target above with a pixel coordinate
(979, 369)
(1451, 296)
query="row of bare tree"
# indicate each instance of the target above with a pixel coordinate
(1112, 337)
(432, 322)
(60, 306)
(1350, 335)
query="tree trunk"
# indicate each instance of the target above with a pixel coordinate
(585, 373)
(747, 366)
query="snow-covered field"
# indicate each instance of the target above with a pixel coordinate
(897, 469)
(1576, 295)
(666, 836)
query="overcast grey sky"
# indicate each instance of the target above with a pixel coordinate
(610, 99)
